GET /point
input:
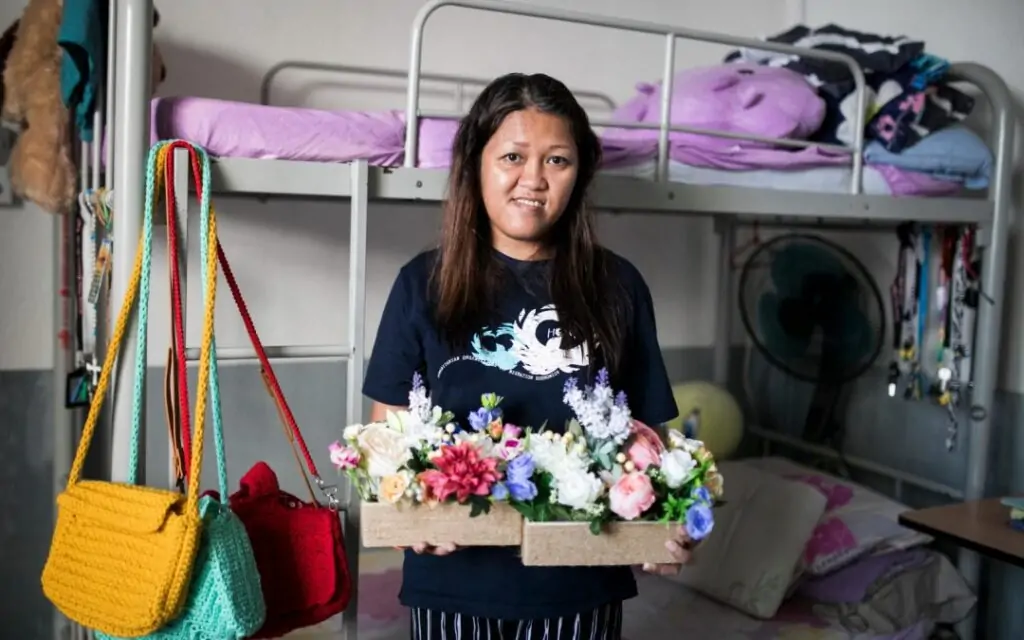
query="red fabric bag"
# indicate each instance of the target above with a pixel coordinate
(299, 545)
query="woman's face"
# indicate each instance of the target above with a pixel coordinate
(527, 174)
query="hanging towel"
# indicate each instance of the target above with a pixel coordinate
(83, 37)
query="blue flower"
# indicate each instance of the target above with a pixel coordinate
(620, 399)
(499, 491)
(517, 476)
(701, 494)
(570, 384)
(482, 417)
(699, 521)
(521, 467)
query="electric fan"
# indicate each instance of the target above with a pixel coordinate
(814, 312)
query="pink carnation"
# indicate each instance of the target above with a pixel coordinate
(631, 495)
(644, 447)
(460, 472)
(342, 457)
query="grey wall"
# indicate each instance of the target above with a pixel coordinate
(907, 436)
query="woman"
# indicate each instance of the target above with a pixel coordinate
(478, 315)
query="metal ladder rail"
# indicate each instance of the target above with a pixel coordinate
(351, 353)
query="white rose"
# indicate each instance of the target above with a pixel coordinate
(384, 450)
(577, 489)
(485, 446)
(545, 453)
(677, 440)
(351, 432)
(677, 466)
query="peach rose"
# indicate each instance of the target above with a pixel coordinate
(644, 447)
(631, 495)
(393, 487)
(713, 481)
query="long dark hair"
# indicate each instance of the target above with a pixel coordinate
(467, 275)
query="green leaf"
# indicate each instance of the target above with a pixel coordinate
(525, 509)
(574, 428)
(543, 512)
(479, 505)
(595, 526)
(490, 400)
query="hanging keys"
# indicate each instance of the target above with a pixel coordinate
(100, 270)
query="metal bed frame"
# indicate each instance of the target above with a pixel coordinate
(125, 111)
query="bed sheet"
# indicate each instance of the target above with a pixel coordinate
(664, 610)
(244, 130)
(877, 180)
(668, 610)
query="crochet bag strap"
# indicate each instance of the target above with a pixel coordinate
(274, 388)
(199, 163)
(138, 285)
(176, 377)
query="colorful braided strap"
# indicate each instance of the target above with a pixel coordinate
(122, 555)
(225, 600)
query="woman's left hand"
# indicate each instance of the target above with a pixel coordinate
(681, 548)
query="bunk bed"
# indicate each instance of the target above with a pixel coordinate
(404, 167)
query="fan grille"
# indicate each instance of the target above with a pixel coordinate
(812, 308)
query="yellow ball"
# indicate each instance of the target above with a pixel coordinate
(709, 413)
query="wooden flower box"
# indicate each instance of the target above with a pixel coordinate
(387, 525)
(573, 544)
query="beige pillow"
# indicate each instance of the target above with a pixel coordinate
(752, 556)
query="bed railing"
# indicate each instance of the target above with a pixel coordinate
(671, 34)
(462, 85)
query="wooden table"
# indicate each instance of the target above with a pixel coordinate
(980, 525)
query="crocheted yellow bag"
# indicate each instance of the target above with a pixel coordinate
(121, 557)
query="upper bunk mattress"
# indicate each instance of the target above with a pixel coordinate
(245, 130)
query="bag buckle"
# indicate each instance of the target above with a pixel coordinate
(330, 491)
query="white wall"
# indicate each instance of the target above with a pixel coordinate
(291, 257)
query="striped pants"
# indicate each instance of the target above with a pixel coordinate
(603, 623)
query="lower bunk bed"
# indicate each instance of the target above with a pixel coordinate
(798, 554)
(944, 163)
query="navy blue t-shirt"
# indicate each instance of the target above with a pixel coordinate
(490, 581)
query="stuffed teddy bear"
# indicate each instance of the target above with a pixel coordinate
(6, 44)
(42, 167)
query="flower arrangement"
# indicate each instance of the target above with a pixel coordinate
(605, 467)
(422, 456)
(608, 467)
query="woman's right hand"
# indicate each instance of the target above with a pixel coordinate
(442, 549)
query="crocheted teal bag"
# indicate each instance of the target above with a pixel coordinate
(225, 596)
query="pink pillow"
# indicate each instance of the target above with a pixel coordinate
(856, 522)
(737, 98)
(635, 109)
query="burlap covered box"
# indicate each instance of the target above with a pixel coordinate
(387, 525)
(573, 544)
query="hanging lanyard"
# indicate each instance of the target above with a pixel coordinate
(964, 300)
(93, 245)
(903, 294)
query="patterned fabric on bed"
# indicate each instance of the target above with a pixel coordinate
(857, 521)
(663, 611)
(668, 611)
